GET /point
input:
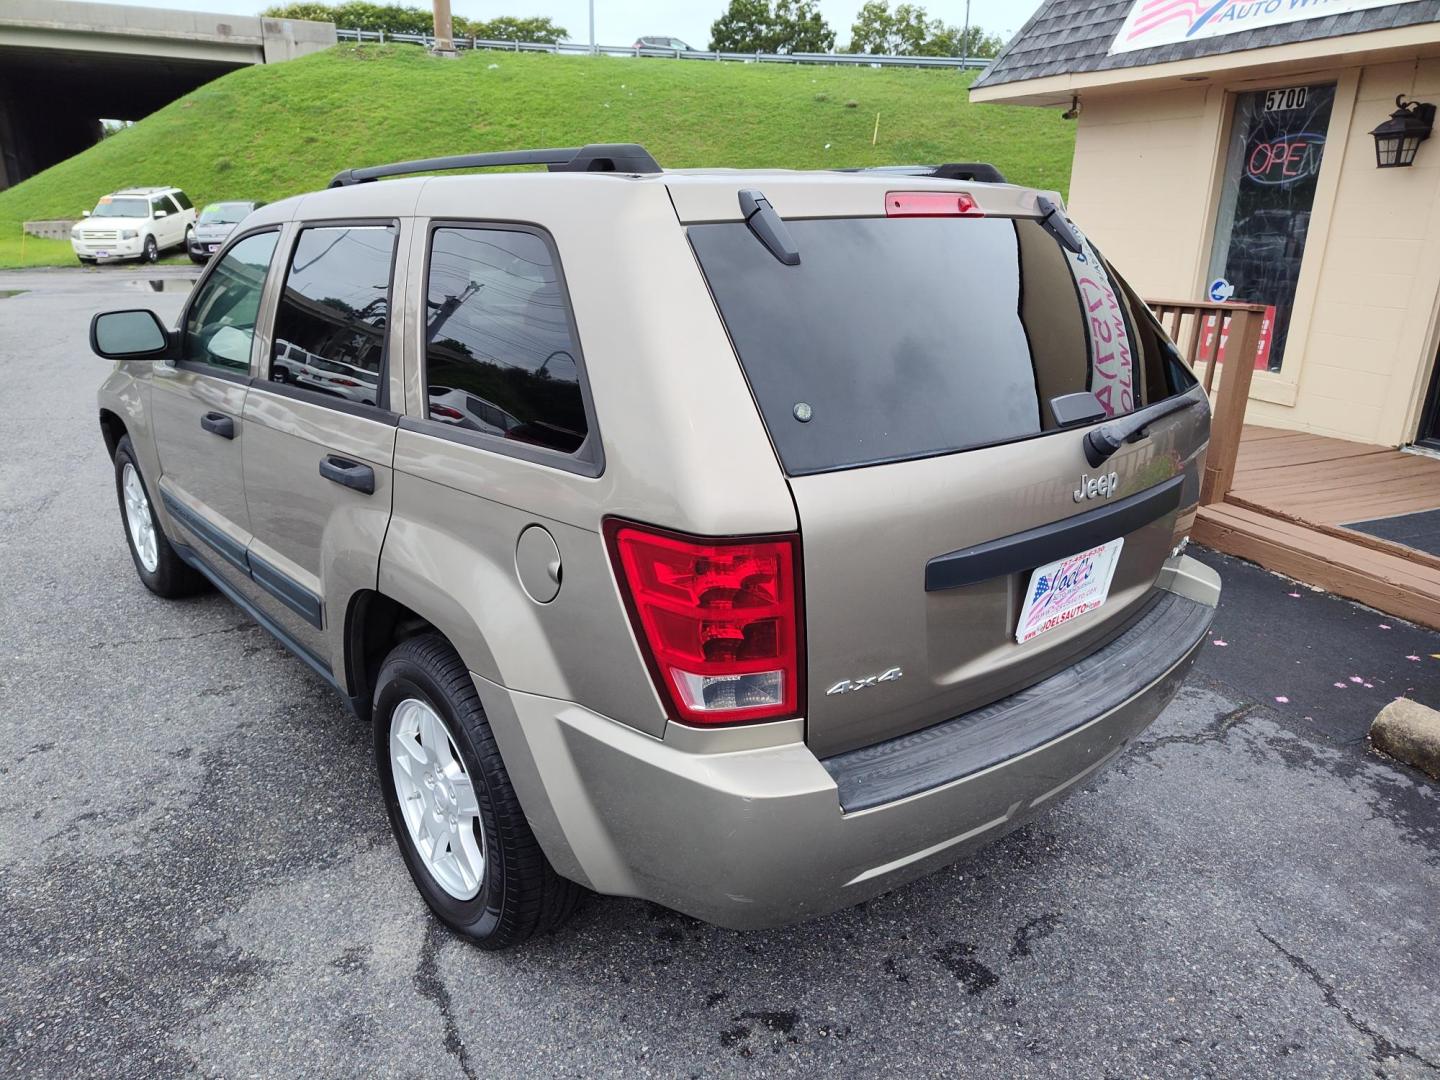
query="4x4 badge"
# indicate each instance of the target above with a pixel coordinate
(844, 686)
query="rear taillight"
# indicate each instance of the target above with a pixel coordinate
(931, 204)
(719, 620)
(446, 411)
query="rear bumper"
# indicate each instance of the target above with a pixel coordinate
(747, 838)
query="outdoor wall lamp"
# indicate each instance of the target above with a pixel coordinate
(1398, 139)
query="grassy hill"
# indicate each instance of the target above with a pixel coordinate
(268, 132)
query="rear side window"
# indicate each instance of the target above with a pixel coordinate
(500, 357)
(331, 323)
(183, 199)
(903, 338)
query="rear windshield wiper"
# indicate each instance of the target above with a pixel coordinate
(1054, 221)
(769, 227)
(1104, 440)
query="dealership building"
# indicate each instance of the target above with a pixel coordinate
(1255, 150)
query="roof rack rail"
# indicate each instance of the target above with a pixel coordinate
(978, 171)
(597, 157)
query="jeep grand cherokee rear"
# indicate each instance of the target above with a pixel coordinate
(976, 611)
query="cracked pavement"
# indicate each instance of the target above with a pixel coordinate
(197, 877)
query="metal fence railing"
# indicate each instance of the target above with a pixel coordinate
(582, 49)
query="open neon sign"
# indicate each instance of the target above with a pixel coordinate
(1286, 159)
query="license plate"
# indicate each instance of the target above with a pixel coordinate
(1067, 588)
(102, 254)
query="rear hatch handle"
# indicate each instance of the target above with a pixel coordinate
(1102, 441)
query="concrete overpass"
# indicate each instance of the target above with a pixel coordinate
(64, 66)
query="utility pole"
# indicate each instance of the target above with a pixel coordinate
(592, 27)
(444, 31)
(965, 41)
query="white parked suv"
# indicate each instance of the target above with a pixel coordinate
(137, 223)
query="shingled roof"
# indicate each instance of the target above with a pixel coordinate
(1068, 36)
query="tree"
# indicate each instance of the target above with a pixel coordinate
(786, 26)
(509, 28)
(398, 19)
(909, 31)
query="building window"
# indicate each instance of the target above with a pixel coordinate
(1277, 142)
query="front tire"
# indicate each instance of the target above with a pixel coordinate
(151, 252)
(163, 572)
(452, 807)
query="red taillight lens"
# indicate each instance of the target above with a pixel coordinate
(719, 620)
(931, 204)
(446, 411)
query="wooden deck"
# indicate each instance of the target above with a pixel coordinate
(1293, 493)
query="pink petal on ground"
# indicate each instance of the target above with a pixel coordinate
(1282, 699)
(1296, 595)
(1384, 626)
(1369, 686)
(1356, 678)
(1222, 644)
(1339, 686)
(1412, 656)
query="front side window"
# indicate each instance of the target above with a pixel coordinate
(220, 323)
(331, 324)
(500, 358)
(158, 206)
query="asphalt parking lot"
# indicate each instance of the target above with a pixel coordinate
(197, 876)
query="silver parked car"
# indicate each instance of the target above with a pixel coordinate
(749, 542)
(214, 225)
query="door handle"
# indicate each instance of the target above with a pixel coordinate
(347, 473)
(219, 424)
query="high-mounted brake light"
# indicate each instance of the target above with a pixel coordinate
(931, 204)
(719, 620)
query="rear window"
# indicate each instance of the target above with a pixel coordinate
(907, 338)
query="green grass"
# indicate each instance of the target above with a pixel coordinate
(269, 132)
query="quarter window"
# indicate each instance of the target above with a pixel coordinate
(500, 358)
(181, 198)
(331, 323)
(220, 323)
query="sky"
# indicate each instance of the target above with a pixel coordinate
(620, 22)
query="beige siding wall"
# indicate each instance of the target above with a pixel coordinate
(1363, 338)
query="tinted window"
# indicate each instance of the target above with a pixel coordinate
(499, 355)
(330, 326)
(158, 204)
(912, 337)
(183, 199)
(220, 323)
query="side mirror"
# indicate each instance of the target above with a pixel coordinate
(161, 213)
(84, 213)
(129, 335)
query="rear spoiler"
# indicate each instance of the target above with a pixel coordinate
(976, 171)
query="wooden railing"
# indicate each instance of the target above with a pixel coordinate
(1198, 328)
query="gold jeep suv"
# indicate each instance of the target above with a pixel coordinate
(749, 542)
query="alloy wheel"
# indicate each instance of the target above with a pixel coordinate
(139, 520)
(437, 799)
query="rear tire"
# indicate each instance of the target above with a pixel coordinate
(510, 892)
(163, 572)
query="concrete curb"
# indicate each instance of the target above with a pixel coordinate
(1410, 732)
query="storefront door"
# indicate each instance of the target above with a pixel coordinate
(1277, 141)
